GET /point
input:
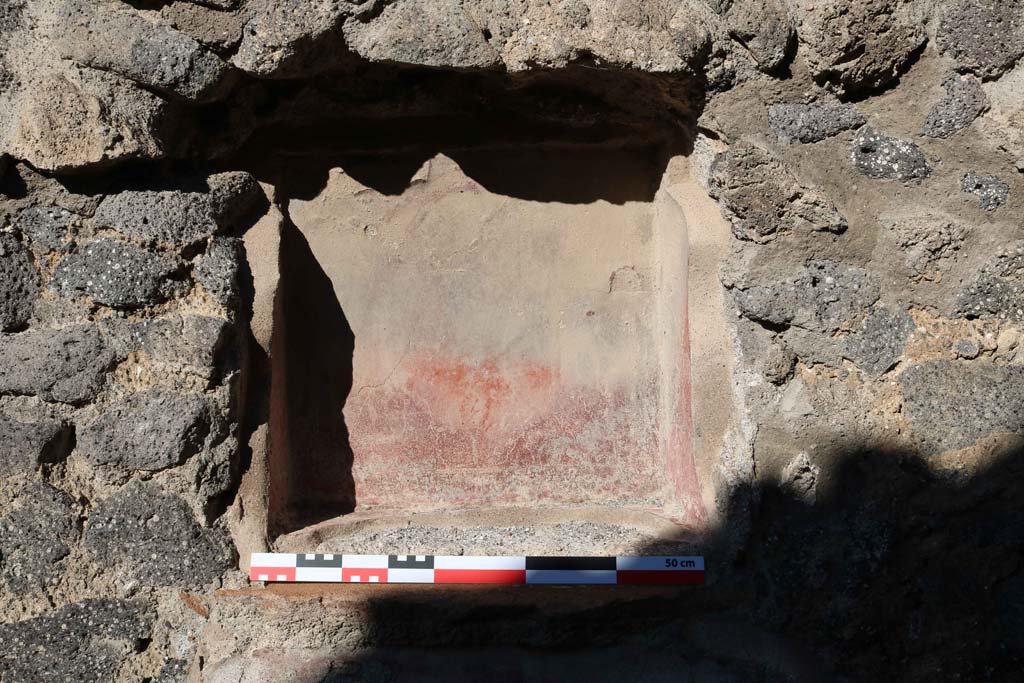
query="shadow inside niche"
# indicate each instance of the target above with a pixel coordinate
(312, 345)
(894, 572)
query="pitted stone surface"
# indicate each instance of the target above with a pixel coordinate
(67, 365)
(990, 190)
(217, 271)
(926, 241)
(998, 288)
(859, 46)
(86, 642)
(173, 671)
(764, 199)
(821, 296)
(194, 341)
(150, 430)
(23, 445)
(45, 226)
(880, 156)
(144, 521)
(764, 28)
(965, 101)
(115, 274)
(182, 217)
(984, 37)
(35, 534)
(813, 122)
(148, 52)
(952, 404)
(85, 119)
(879, 341)
(19, 283)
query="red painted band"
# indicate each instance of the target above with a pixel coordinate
(479, 576)
(659, 577)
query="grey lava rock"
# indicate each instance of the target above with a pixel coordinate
(879, 341)
(763, 198)
(45, 226)
(23, 445)
(182, 217)
(173, 671)
(990, 190)
(150, 430)
(998, 288)
(985, 37)
(953, 404)
(217, 271)
(35, 534)
(880, 156)
(964, 101)
(67, 365)
(144, 521)
(813, 122)
(926, 240)
(19, 283)
(193, 341)
(115, 274)
(821, 296)
(778, 364)
(858, 46)
(116, 38)
(765, 29)
(85, 642)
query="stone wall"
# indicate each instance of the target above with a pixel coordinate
(854, 339)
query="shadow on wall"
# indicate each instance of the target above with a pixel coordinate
(310, 455)
(896, 573)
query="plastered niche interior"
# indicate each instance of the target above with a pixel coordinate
(506, 330)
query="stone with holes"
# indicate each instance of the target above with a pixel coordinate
(144, 521)
(19, 283)
(115, 274)
(150, 430)
(67, 364)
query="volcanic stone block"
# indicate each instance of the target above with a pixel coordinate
(182, 217)
(67, 365)
(151, 536)
(926, 240)
(114, 37)
(19, 283)
(820, 296)
(952, 404)
(151, 430)
(45, 226)
(88, 119)
(813, 122)
(985, 37)
(964, 101)
(174, 671)
(86, 642)
(23, 445)
(217, 270)
(990, 190)
(195, 341)
(35, 534)
(861, 45)
(115, 274)
(879, 341)
(763, 198)
(765, 29)
(880, 156)
(998, 288)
